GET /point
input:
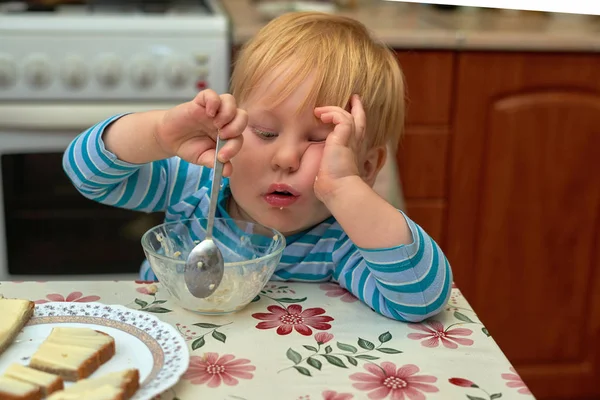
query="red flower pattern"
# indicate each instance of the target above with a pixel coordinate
(332, 395)
(292, 317)
(71, 297)
(323, 337)
(462, 382)
(515, 381)
(335, 290)
(149, 290)
(214, 370)
(385, 380)
(437, 334)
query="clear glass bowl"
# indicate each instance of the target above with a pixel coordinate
(251, 252)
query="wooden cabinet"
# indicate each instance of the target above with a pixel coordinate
(505, 170)
(423, 151)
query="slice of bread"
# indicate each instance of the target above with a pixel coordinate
(48, 383)
(14, 389)
(120, 385)
(73, 353)
(15, 314)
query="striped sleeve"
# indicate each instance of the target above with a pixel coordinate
(409, 282)
(99, 175)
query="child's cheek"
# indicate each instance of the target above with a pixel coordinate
(311, 160)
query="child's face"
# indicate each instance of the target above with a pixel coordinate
(281, 152)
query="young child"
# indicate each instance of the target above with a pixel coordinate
(314, 101)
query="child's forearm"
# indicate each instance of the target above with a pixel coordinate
(368, 220)
(132, 138)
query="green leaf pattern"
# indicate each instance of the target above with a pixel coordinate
(349, 355)
(199, 341)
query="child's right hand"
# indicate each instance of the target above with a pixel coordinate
(189, 130)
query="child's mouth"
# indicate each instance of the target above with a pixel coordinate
(280, 196)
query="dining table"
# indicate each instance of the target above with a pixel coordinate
(309, 341)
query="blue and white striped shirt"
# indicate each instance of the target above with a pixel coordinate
(408, 282)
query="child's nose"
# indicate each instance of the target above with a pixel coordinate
(287, 157)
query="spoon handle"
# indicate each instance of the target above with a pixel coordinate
(216, 187)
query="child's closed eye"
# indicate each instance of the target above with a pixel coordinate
(319, 139)
(263, 134)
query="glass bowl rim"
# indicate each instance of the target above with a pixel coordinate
(145, 243)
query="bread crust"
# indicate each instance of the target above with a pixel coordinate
(86, 368)
(132, 384)
(55, 386)
(17, 329)
(108, 351)
(33, 394)
(128, 387)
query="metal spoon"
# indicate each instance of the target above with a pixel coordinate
(204, 266)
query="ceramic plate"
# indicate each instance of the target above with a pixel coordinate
(142, 341)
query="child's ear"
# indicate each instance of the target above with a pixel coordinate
(372, 164)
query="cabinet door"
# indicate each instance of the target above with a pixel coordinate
(524, 212)
(423, 150)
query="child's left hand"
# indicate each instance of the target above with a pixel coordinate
(342, 152)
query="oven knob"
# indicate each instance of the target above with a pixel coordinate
(74, 73)
(108, 70)
(38, 71)
(143, 73)
(177, 72)
(8, 72)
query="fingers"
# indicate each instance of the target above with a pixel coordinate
(232, 132)
(207, 159)
(209, 100)
(343, 121)
(226, 112)
(231, 148)
(348, 125)
(235, 127)
(360, 118)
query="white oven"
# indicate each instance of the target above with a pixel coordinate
(62, 71)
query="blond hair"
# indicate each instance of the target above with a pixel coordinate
(343, 58)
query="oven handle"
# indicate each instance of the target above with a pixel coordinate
(67, 116)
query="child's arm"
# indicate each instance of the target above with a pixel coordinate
(127, 161)
(394, 266)
(100, 176)
(407, 282)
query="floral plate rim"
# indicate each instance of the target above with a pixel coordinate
(169, 350)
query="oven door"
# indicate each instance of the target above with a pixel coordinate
(48, 230)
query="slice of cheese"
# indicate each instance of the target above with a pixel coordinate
(15, 389)
(62, 356)
(84, 337)
(114, 385)
(15, 314)
(48, 383)
(73, 353)
(104, 392)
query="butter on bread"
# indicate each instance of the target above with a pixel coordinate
(73, 353)
(48, 383)
(120, 385)
(14, 389)
(15, 314)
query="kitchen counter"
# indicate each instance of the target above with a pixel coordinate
(414, 26)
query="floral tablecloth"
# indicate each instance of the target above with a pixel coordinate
(302, 341)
